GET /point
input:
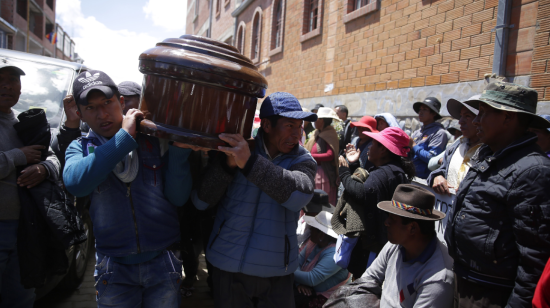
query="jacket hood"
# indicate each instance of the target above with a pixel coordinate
(389, 118)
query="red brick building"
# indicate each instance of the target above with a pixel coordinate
(29, 25)
(381, 56)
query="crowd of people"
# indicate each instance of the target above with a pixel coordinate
(321, 211)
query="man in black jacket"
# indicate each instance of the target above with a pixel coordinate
(348, 131)
(13, 156)
(498, 231)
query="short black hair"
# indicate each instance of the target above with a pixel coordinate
(343, 109)
(274, 119)
(115, 94)
(427, 227)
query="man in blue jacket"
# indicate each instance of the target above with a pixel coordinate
(260, 192)
(431, 139)
(134, 184)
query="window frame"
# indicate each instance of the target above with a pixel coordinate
(306, 20)
(218, 7)
(241, 42)
(257, 12)
(274, 23)
(351, 12)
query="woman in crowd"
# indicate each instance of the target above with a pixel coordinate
(324, 147)
(385, 120)
(318, 276)
(363, 142)
(388, 154)
(431, 139)
(457, 158)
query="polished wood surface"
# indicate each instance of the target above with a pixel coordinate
(195, 88)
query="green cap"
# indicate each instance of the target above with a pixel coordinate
(511, 97)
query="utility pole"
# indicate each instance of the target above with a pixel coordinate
(28, 23)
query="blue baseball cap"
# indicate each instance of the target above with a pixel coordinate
(285, 105)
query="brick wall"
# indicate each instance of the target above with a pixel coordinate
(540, 69)
(7, 10)
(401, 44)
(203, 15)
(223, 22)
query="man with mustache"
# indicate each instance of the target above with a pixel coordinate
(260, 191)
(498, 229)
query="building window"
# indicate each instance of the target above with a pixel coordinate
(240, 38)
(22, 8)
(277, 27)
(358, 8)
(311, 27)
(256, 36)
(50, 3)
(218, 7)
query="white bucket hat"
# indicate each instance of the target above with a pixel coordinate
(327, 113)
(322, 222)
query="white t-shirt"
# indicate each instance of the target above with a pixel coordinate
(426, 281)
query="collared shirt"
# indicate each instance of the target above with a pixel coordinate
(267, 153)
(425, 281)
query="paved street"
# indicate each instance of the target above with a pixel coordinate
(84, 296)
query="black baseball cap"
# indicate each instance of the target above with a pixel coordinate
(89, 81)
(129, 88)
(5, 63)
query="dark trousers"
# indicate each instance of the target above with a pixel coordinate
(238, 290)
(473, 295)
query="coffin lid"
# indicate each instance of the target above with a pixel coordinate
(203, 60)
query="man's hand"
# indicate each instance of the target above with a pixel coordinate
(305, 290)
(342, 162)
(69, 104)
(32, 153)
(32, 176)
(352, 154)
(441, 186)
(130, 120)
(239, 153)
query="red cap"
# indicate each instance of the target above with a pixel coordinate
(394, 139)
(367, 122)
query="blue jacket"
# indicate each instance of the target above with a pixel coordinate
(139, 217)
(255, 228)
(325, 275)
(430, 141)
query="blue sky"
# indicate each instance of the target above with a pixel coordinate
(110, 35)
(127, 14)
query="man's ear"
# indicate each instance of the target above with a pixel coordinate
(266, 126)
(414, 228)
(122, 103)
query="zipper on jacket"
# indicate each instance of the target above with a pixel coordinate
(287, 252)
(215, 237)
(129, 195)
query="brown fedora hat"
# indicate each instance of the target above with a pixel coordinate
(412, 201)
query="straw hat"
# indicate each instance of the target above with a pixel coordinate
(327, 113)
(322, 222)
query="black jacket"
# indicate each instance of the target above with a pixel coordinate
(48, 222)
(379, 186)
(498, 233)
(345, 136)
